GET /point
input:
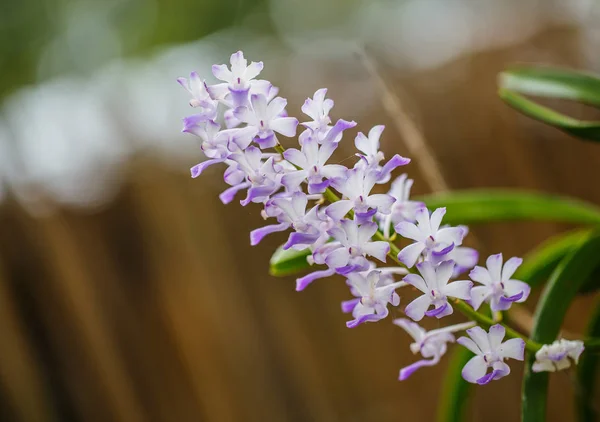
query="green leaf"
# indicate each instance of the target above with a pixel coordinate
(586, 375)
(455, 390)
(562, 287)
(288, 262)
(483, 205)
(552, 83)
(539, 263)
(584, 129)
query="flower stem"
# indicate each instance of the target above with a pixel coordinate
(487, 322)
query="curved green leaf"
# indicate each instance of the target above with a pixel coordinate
(483, 205)
(584, 129)
(539, 263)
(586, 375)
(455, 390)
(288, 262)
(562, 287)
(553, 83)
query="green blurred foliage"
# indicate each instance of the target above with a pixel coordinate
(41, 39)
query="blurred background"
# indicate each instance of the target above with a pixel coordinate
(128, 292)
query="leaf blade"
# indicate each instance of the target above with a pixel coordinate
(589, 130)
(586, 374)
(287, 262)
(562, 287)
(484, 205)
(455, 390)
(552, 82)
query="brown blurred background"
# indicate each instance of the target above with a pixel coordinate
(128, 292)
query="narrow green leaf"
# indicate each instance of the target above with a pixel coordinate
(482, 205)
(539, 263)
(586, 375)
(553, 83)
(455, 390)
(584, 129)
(562, 287)
(288, 262)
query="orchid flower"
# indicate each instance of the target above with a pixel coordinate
(372, 297)
(355, 243)
(311, 160)
(403, 208)
(433, 282)
(491, 352)
(263, 120)
(557, 356)
(356, 189)
(430, 239)
(430, 344)
(265, 177)
(497, 286)
(238, 80)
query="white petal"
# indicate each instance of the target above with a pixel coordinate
(378, 250)
(514, 287)
(436, 219)
(469, 344)
(474, 369)
(427, 270)
(478, 295)
(253, 70)
(285, 125)
(294, 179)
(510, 267)
(338, 258)
(276, 107)
(238, 62)
(409, 255)
(513, 348)
(366, 232)
(422, 217)
(339, 209)
(362, 143)
(450, 235)
(496, 335)
(543, 366)
(332, 171)
(222, 73)
(417, 281)
(408, 230)
(480, 337)
(296, 157)
(412, 328)
(382, 202)
(459, 289)
(417, 308)
(494, 265)
(444, 272)
(481, 275)
(325, 151)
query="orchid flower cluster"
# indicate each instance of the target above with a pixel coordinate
(333, 211)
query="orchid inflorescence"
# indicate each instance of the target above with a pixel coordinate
(332, 211)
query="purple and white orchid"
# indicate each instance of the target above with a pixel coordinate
(373, 296)
(490, 352)
(433, 282)
(497, 287)
(558, 355)
(430, 239)
(238, 122)
(430, 344)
